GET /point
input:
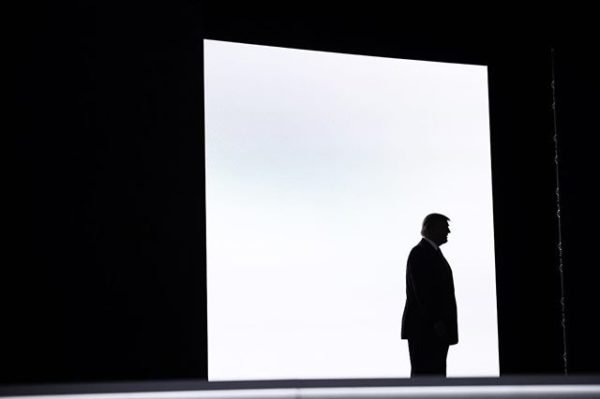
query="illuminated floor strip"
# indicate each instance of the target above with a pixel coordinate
(505, 391)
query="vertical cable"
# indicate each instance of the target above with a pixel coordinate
(560, 247)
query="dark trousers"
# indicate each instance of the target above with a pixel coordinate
(427, 357)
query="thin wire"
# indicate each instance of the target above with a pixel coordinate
(560, 246)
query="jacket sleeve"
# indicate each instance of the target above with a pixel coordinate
(422, 281)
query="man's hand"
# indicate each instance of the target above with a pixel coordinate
(440, 329)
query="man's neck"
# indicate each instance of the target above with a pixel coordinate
(433, 244)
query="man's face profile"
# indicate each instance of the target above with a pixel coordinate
(438, 231)
(444, 230)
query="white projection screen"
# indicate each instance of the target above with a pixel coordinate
(319, 170)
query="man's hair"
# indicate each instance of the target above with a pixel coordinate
(432, 219)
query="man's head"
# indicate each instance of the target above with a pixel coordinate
(435, 227)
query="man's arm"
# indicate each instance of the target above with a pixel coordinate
(422, 280)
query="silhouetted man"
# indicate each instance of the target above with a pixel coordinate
(429, 320)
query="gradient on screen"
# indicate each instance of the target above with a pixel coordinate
(319, 170)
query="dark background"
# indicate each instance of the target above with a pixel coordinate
(103, 277)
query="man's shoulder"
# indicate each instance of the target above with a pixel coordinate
(422, 246)
(420, 250)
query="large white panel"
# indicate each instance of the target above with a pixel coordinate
(319, 170)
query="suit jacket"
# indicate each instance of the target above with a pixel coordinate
(429, 296)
